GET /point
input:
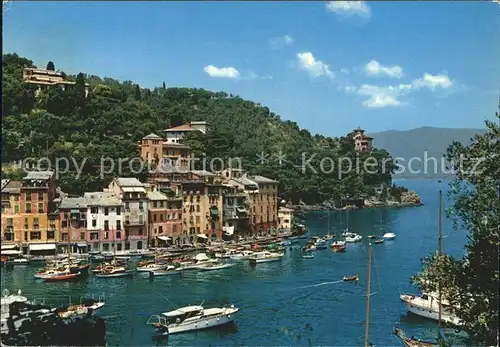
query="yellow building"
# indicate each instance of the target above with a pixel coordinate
(285, 218)
(11, 214)
(202, 208)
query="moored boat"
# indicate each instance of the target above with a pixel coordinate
(115, 271)
(427, 306)
(308, 256)
(371, 237)
(411, 341)
(353, 238)
(243, 255)
(265, 257)
(214, 266)
(169, 270)
(63, 277)
(378, 241)
(192, 318)
(389, 236)
(338, 246)
(151, 267)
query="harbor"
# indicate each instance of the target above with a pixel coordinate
(294, 301)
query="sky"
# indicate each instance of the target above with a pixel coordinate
(329, 66)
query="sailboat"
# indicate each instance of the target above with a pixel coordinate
(424, 305)
(70, 272)
(115, 268)
(328, 236)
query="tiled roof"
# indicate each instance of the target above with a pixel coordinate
(102, 199)
(12, 187)
(128, 182)
(152, 136)
(39, 175)
(262, 179)
(156, 196)
(68, 203)
(183, 127)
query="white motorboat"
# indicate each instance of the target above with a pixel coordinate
(353, 238)
(6, 300)
(151, 267)
(389, 236)
(428, 306)
(265, 257)
(192, 318)
(243, 255)
(115, 271)
(167, 271)
(215, 266)
(318, 242)
(84, 310)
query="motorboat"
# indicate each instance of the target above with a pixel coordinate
(371, 237)
(427, 305)
(319, 243)
(338, 246)
(389, 236)
(243, 255)
(353, 238)
(309, 248)
(308, 256)
(411, 341)
(47, 273)
(379, 241)
(328, 237)
(86, 309)
(346, 233)
(215, 266)
(286, 243)
(351, 278)
(192, 318)
(151, 267)
(6, 300)
(265, 257)
(114, 271)
(167, 271)
(63, 277)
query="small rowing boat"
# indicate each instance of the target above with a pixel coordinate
(351, 278)
(378, 241)
(308, 256)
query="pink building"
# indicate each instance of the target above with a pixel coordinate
(73, 230)
(165, 219)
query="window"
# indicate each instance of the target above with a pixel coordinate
(174, 229)
(197, 208)
(40, 207)
(28, 196)
(40, 196)
(105, 247)
(64, 224)
(94, 236)
(154, 217)
(118, 225)
(82, 236)
(106, 225)
(118, 211)
(94, 210)
(94, 223)
(140, 220)
(139, 244)
(127, 207)
(118, 234)
(119, 247)
(16, 209)
(106, 211)
(162, 216)
(140, 231)
(10, 222)
(35, 223)
(106, 235)
(141, 205)
(197, 219)
(26, 236)
(35, 235)
(50, 235)
(28, 207)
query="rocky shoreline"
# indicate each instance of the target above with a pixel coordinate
(408, 199)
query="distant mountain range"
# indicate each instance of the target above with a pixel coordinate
(425, 142)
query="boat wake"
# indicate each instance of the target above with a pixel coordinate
(320, 284)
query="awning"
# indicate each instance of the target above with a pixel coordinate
(82, 244)
(74, 211)
(10, 252)
(9, 246)
(202, 236)
(42, 247)
(164, 238)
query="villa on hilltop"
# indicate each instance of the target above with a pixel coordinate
(44, 78)
(362, 142)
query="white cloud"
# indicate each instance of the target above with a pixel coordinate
(281, 41)
(223, 72)
(254, 76)
(433, 82)
(379, 97)
(374, 68)
(359, 8)
(315, 68)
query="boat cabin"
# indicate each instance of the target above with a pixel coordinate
(181, 314)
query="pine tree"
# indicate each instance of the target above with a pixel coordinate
(137, 93)
(51, 66)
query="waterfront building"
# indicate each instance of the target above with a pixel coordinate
(73, 222)
(362, 142)
(202, 208)
(285, 219)
(262, 197)
(105, 226)
(12, 233)
(48, 78)
(165, 218)
(133, 195)
(38, 213)
(175, 134)
(235, 212)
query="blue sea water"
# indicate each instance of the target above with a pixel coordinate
(295, 302)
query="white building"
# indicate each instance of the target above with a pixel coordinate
(175, 134)
(285, 218)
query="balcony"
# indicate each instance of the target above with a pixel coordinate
(137, 237)
(134, 222)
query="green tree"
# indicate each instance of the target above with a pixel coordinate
(471, 283)
(137, 93)
(51, 66)
(80, 85)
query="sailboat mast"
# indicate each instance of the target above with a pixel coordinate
(69, 239)
(368, 294)
(440, 252)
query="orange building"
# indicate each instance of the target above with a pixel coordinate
(153, 149)
(165, 218)
(39, 223)
(11, 214)
(362, 142)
